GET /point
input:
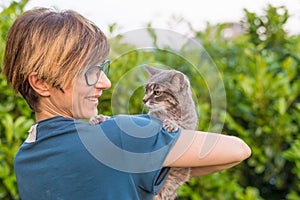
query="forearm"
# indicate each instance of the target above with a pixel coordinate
(206, 170)
(202, 149)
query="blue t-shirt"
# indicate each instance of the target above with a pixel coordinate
(121, 158)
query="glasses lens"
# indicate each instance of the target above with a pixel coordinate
(106, 66)
(93, 73)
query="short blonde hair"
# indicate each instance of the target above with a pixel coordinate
(55, 45)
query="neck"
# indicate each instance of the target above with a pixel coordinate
(47, 110)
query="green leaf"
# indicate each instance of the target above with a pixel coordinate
(282, 106)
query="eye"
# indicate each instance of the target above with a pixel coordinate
(157, 93)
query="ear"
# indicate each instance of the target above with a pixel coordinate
(178, 79)
(151, 70)
(38, 85)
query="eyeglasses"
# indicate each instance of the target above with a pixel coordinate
(93, 73)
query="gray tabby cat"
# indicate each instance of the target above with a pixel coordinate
(169, 97)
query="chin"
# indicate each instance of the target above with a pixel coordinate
(86, 115)
(94, 113)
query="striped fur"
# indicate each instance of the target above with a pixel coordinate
(168, 96)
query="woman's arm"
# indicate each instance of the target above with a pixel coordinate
(202, 171)
(207, 152)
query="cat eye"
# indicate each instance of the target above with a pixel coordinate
(93, 73)
(157, 93)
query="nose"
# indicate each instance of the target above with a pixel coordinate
(103, 82)
(145, 99)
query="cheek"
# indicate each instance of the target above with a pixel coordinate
(81, 90)
(167, 101)
(82, 107)
(68, 96)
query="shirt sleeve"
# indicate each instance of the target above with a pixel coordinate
(152, 181)
(144, 135)
(141, 141)
(135, 144)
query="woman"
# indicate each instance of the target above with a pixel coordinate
(57, 61)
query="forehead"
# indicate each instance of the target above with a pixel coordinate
(155, 86)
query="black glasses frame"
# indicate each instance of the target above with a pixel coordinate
(105, 64)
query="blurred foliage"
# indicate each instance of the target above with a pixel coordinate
(15, 115)
(259, 67)
(261, 75)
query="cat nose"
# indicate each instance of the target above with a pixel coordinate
(144, 100)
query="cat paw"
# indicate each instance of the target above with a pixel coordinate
(170, 126)
(98, 119)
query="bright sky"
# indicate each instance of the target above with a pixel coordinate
(133, 14)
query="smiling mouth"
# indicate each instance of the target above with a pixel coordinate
(92, 98)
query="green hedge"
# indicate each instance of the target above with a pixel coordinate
(259, 70)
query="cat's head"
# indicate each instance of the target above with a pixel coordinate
(165, 89)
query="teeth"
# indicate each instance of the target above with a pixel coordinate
(92, 98)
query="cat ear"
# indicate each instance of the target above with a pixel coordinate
(180, 80)
(151, 70)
